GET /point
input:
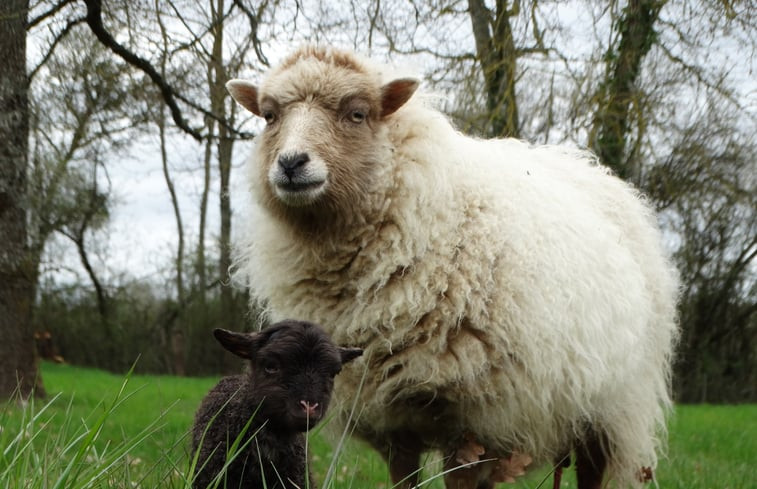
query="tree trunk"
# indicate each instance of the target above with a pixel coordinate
(225, 146)
(617, 93)
(112, 359)
(18, 361)
(175, 332)
(498, 56)
(202, 279)
(224, 165)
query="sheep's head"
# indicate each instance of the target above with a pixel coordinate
(324, 110)
(293, 368)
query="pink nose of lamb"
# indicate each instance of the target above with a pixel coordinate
(309, 408)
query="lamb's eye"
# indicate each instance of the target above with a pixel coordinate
(269, 117)
(357, 116)
(271, 368)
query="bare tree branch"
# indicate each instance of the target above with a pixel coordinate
(62, 34)
(95, 22)
(170, 96)
(54, 10)
(254, 20)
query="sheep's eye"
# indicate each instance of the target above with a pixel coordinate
(357, 116)
(269, 117)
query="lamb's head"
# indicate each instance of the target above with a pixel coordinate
(293, 365)
(324, 111)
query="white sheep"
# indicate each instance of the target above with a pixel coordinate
(514, 294)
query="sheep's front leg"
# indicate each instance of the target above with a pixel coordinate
(591, 461)
(402, 452)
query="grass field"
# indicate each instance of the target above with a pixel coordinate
(99, 430)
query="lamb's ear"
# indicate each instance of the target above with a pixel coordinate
(349, 354)
(240, 344)
(395, 93)
(245, 93)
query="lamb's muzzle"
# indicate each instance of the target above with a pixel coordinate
(310, 409)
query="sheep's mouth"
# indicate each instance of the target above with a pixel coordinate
(300, 193)
(294, 187)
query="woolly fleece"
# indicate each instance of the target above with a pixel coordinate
(519, 293)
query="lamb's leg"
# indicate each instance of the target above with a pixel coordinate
(403, 455)
(591, 461)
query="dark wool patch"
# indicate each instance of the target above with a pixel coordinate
(285, 392)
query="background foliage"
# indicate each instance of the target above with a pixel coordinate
(664, 92)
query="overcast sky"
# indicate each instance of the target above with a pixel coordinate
(140, 240)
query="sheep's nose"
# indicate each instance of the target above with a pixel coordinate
(309, 408)
(290, 162)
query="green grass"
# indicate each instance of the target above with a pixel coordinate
(99, 430)
(712, 446)
(150, 396)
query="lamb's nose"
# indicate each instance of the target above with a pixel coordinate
(290, 162)
(309, 408)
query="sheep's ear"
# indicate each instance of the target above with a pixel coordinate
(395, 93)
(349, 354)
(240, 344)
(245, 93)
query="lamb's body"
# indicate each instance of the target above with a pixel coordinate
(517, 293)
(267, 410)
(265, 458)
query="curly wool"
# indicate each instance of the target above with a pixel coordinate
(267, 456)
(522, 290)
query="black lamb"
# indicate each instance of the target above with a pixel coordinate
(285, 392)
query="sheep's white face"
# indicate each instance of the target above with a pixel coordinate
(297, 172)
(323, 113)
